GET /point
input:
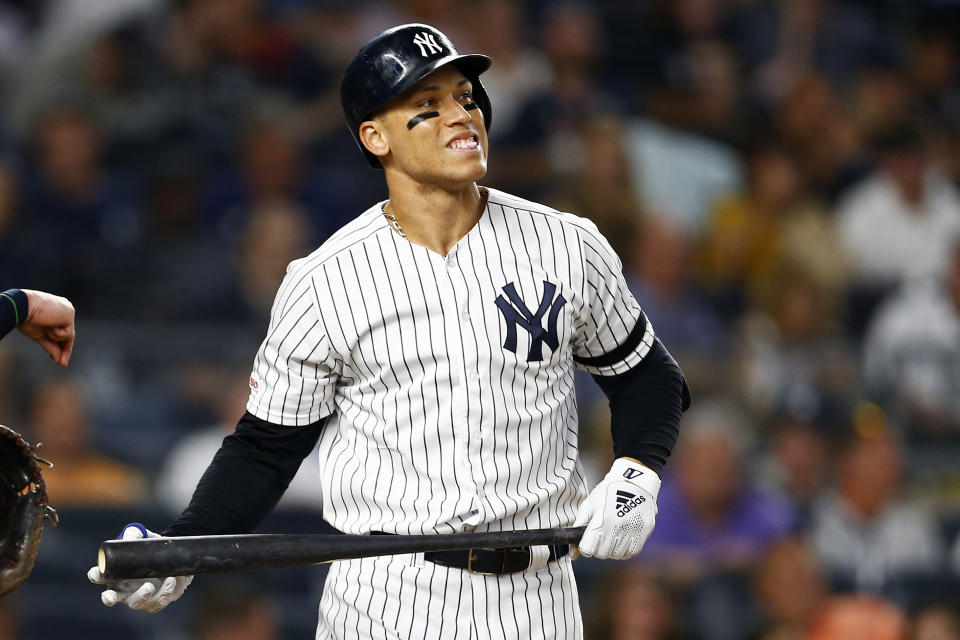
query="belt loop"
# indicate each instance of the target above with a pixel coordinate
(539, 556)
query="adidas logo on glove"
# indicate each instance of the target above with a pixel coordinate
(626, 501)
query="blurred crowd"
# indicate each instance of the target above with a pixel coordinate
(779, 177)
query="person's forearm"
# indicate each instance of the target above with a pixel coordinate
(247, 477)
(13, 310)
(646, 405)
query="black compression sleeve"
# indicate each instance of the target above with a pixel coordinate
(646, 404)
(250, 472)
(13, 310)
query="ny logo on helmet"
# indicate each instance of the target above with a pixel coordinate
(518, 314)
(427, 43)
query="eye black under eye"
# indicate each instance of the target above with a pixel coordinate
(417, 119)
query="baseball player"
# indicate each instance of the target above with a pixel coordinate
(43, 317)
(430, 346)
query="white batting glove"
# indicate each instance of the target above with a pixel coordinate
(146, 594)
(620, 512)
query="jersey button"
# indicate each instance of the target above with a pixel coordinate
(466, 316)
(474, 376)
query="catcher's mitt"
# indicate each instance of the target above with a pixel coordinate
(23, 508)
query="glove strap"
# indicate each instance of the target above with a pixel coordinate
(635, 473)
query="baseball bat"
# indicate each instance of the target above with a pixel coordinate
(195, 555)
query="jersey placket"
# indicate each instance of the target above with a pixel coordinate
(453, 297)
(466, 289)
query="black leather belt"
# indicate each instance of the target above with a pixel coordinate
(491, 561)
(488, 561)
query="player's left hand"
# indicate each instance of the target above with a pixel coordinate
(620, 512)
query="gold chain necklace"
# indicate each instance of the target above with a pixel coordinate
(392, 221)
(395, 224)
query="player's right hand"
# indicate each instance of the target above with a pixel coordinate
(50, 323)
(147, 594)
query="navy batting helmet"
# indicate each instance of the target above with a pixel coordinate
(396, 60)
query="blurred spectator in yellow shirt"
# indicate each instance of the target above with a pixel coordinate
(82, 476)
(754, 235)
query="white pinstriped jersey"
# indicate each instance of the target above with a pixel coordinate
(449, 380)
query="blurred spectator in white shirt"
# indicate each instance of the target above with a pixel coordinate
(864, 533)
(912, 354)
(190, 457)
(900, 223)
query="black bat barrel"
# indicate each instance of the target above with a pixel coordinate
(195, 555)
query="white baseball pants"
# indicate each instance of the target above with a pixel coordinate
(404, 597)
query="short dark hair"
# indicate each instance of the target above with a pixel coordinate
(900, 135)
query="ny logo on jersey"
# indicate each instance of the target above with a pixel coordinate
(517, 313)
(427, 43)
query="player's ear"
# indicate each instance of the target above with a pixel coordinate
(374, 138)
